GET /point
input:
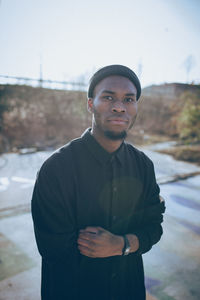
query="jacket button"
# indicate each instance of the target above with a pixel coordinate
(114, 275)
(114, 218)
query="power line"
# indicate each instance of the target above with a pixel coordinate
(40, 81)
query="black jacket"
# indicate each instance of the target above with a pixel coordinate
(83, 185)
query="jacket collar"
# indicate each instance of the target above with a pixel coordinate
(99, 152)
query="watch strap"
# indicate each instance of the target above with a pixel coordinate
(127, 247)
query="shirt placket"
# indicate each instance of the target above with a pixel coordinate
(113, 216)
(113, 219)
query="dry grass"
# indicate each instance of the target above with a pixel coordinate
(140, 139)
(189, 153)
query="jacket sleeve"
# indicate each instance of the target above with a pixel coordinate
(53, 212)
(150, 230)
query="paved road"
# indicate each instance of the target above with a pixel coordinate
(171, 267)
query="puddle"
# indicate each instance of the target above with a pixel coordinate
(150, 283)
(186, 202)
(192, 227)
(13, 260)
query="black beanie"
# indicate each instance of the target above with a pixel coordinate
(114, 70)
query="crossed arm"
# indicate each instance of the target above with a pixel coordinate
(56, 239)
(98, 242)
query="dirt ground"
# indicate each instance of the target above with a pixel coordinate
(179, 151)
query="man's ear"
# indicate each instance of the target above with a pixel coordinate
(90, 105)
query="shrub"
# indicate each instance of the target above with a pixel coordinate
(189, 118)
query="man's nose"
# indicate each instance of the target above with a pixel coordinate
(118, 107)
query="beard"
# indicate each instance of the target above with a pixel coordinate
(110, 134)
(118, 135)
(115, 135)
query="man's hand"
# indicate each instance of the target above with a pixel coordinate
(98, 242)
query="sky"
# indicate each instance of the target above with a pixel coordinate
(72, 39)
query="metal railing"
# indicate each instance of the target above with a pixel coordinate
(44, 83)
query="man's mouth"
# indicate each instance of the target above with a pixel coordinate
(117, 121)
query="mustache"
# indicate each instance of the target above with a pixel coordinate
(118, 117)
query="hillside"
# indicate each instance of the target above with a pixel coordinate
(159, 106)
(38, 117)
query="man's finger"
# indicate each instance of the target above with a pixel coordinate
(88, 243)
(87, 235)
(91, 229)
(86, 251)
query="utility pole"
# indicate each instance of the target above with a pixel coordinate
(188, 64)
(41, 77)
(139, 69)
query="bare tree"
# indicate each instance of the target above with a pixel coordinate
(139, 69)
(188, 64)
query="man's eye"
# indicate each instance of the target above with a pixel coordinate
(108, 97)
(129, 100)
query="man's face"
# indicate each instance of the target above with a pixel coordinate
(114, 107)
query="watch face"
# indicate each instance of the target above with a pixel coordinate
(127, 247)
(127, 251)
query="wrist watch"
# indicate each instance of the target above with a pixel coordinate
(127, 247)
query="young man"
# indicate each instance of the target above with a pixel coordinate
(96, 205)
